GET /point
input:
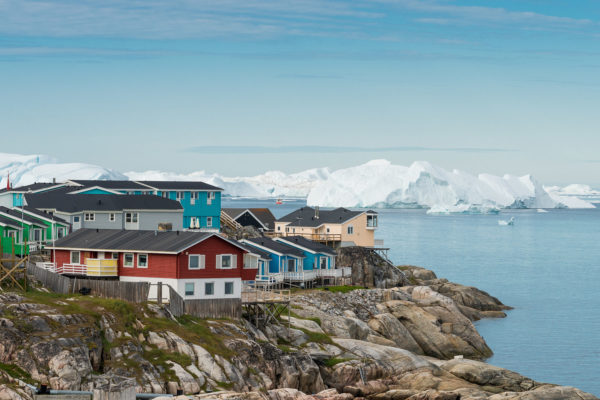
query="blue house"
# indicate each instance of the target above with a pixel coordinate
(283, 258)
(317, 256)
(201, 202)
(14, 197)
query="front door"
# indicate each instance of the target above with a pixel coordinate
(323, 262)
(291, 265)
(76, 222)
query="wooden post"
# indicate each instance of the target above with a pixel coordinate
(159, 293)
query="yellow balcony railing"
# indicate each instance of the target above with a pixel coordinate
(101, 267)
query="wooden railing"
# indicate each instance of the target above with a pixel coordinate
(92, 267)
(316, 237)
(228, 221)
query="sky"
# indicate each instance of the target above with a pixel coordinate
(241, 87)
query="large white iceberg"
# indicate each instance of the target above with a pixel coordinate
(379, 183)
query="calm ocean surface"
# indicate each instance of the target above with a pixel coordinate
(546, 266)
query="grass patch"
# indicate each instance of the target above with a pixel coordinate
(314, 319)
(330, 362)
(285, 348)
(317, 337)
(16, 372)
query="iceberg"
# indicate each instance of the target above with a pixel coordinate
(375, 184)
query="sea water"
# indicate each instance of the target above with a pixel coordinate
(546, 266)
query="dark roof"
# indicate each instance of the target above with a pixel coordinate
(7, 221)
(276, 246)
(309, 244)
(99, 202)
(107, 184)
(116, 239)
(16, 214)
(33, 187)
(254, 250)
(305, 216)
(44, 214)
(180, 185)
(264, 215)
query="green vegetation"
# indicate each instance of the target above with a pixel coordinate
(16, 372)
(334, 361)
(314, 319)
(317, 337)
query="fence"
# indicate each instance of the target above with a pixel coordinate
(55, 282)
(203, 308)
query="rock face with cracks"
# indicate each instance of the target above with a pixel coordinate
(381, 344)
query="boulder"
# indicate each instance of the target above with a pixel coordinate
(389, 327)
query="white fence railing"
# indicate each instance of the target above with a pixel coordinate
(303, 276)
(97, 268)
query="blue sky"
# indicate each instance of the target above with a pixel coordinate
(240, 87)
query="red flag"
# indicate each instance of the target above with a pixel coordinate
(8, 182)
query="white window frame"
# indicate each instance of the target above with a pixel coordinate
(125, 260)
(213, 288)
(193, 197)
(209, 222)
(321, 259)
(193, 222)
(232, 288)
(350, 230)
(78, 257)
(179, 195)
(164, 195)
(210, 196)
(138, 260)
(201, 262)
(232, 260)
(112, 217)
(60, 232)
(133, 217)
(185, 286)
(89, 217)
(41, 234)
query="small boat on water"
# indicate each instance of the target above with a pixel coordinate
(278, 201)
(510, 222)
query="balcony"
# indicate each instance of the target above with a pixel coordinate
(93, 267)
(315, 237)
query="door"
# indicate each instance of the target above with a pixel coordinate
(291, 265)
(76, 222)
(101, 255)
(323, 262)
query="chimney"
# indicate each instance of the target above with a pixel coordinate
(316, 212)
(54, 180)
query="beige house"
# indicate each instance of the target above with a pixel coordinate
(338, 227)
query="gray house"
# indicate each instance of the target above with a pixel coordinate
(108, 211)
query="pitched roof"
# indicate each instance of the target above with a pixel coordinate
(276, 247)
(308, 244)
(254, 250)
(99, 202)
(15, 214)
(45, 215)
(180, 185)
(34, 187)
(305, 216)
(109, 184)
(264, 215)
(120, 240)
(9, 222)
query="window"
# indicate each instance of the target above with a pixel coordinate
(37, 235)
(291, 265)
(226, 261)
(179, 196)
(278, 228)
(209, 221)
(193, 221)
(350, 230)
(115, 256)
(196, 261)
(323, 262)
(76, 219)
(287, 229)
(189, 288)
(210, 196)
(60, 232)
(371, 221)
(128, 260)
(142, 261)
(75, 257)
(228, 287)
(164, 194)
(328, 230)
(131, 218)
(11, 234)
(193, 197)
(89, 217)
(112, 217)
(209, 288)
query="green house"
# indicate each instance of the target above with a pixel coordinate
(30, 234)
(10, 232)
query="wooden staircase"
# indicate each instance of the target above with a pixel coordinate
(226, 220)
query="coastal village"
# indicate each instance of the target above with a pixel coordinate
(152, 290)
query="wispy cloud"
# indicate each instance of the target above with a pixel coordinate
(335, 149)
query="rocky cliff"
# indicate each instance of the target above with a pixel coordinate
(412, 342)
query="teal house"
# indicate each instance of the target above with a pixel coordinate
(15, 197)
(317, 256)
(283, 258)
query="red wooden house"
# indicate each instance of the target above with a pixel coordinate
(198, 265)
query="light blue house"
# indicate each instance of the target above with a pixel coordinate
(284, 259)
(317, 256)
(14, 197)
(201, 202)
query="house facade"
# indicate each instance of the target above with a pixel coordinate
(198, 265)
(15, 197)
(338, 228)
(20, 232)
(260, 218)
(200, 201)
(110, 211)
(282, 258)
(317, 256)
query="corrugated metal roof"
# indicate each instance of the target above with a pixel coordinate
(180, 185)
(277, 247)
(99, 202)
(306, 216)
(109, 184)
